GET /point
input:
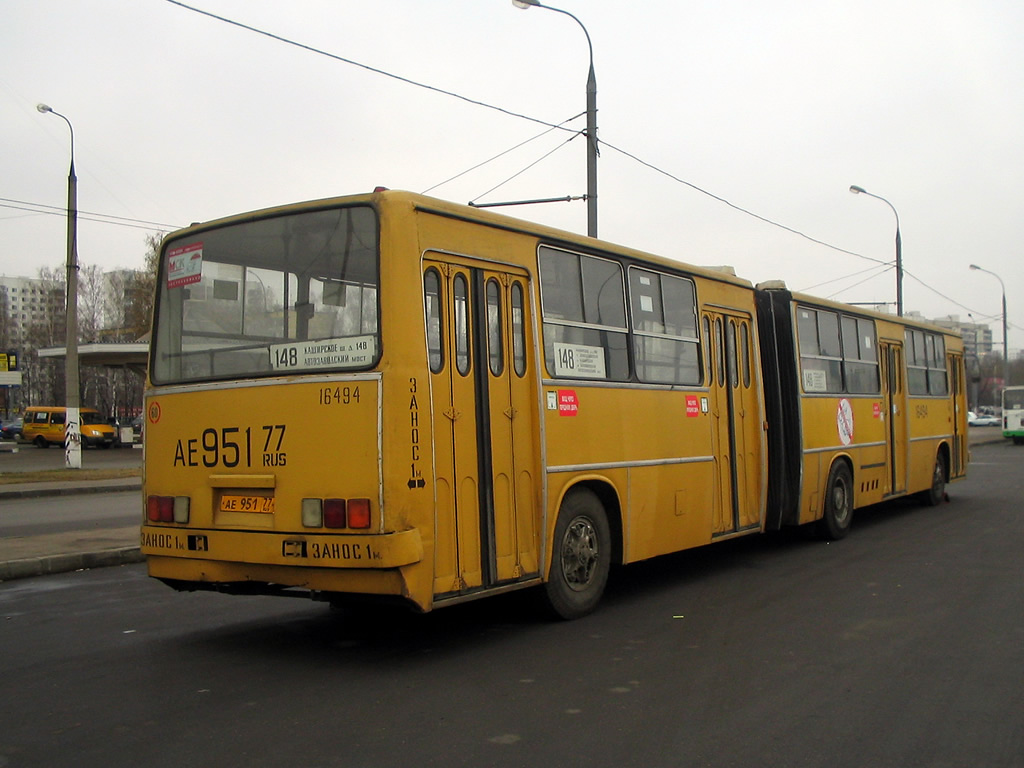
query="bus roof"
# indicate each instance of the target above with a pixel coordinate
(382, 199)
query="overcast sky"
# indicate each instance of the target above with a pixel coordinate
(777, 107)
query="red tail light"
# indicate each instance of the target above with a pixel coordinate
(160, 509)
(334, 513)
(358, 513)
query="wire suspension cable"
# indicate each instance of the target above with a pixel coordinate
(521, 116)
(367, 67)
(59, 211)
(500, 154)
(524, 170)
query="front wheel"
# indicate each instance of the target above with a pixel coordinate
(581, 556)
(41, 442)
(835, 523)
(934, 495)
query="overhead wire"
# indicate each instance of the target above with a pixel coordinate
(528, 167)
(103, 218)
(511, 113)
(375, 70)
(500, 154)
(876, 270)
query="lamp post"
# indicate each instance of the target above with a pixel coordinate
(899, 246)
(591, 117)
(1006, 357)
(73, 430)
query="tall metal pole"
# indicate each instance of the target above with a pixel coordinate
(591, 117)
(73, 429)
(1006, 348)
(899, 246)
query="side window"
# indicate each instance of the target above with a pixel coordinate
(518, 330)
(664, 319)
(461, 299)
(495, 350)
(838, 353)
(820, 351)
(435, 323)
(745, 353)
(860, 363)
(926, 363)
(585, 333)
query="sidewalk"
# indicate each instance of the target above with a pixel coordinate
(44, 554)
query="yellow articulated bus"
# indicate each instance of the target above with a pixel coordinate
(390, 396)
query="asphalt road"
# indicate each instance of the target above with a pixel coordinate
(902, 645)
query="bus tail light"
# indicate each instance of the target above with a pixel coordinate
(167, 509)
(334, 513)
(359, 513)
(160, 509)
(313, 513)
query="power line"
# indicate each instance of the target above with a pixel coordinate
(521, 116)
(336, 57)
(53, 210)
(375, 70)
(524, 170)
(500, 154)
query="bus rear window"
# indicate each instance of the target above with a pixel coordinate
(288, 294)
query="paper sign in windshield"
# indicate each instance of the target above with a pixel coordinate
(352, 352)
(184, 265)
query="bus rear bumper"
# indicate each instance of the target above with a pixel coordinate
(289, 550)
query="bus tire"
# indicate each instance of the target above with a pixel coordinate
(1018, 440)
(935, 495)
(580, 558)
(838, 513)
(41, 442)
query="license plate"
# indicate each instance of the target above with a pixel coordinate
(238, 503)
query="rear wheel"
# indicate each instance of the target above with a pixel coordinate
(934, 495)
(835, 523)
(41, 442)
(581, 558)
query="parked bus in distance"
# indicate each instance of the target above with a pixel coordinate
(1013, 414)
(391, 397)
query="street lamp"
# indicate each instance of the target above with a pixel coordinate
(591, 117)
(899, 246)
(1006, 358)
(73, 429)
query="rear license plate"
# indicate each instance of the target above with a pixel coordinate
(239, 503)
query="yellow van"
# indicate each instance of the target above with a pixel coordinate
(43, 425)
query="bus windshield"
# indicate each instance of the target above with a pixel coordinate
(290, 293)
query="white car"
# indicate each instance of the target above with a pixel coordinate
(982, 420)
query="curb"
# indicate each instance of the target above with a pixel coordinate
(45, 566)
(69, 490)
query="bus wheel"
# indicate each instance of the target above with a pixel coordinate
(581, 556)
(934, 495)
(41, 442)
(1018, 440)
(835, 523)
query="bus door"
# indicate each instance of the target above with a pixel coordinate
(895, 395)
(955, 364)
(484, 420)
(736, 422)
